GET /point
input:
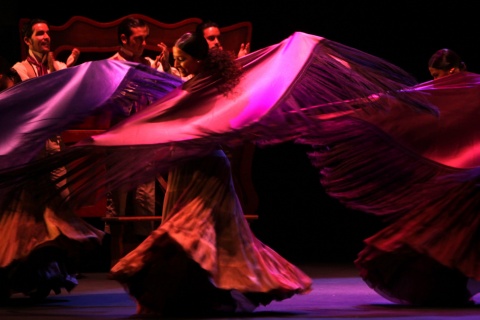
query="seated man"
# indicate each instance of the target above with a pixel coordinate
(211, 32)
(132, 34)
(40, 59)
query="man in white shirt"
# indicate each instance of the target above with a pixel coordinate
(132, 35)
(40, 60)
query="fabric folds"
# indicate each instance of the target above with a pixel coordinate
(301, 89)
(204, 257)
(281, 87)
(45, 242)
(418, 172)
(38, 108)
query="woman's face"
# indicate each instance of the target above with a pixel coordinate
(439, 73)
(185, 63)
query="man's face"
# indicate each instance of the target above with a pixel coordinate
(137, 41)
(40, 39)
(212, 35)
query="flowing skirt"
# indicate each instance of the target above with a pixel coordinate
(428, 257)
(204, 258)
(43, 245)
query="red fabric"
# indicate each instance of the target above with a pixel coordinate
(42, 68)
(419, 172)
(451, 139)
(270, 105)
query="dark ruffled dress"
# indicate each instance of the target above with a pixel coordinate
(43, 246)
(419, 173)
(204, 258)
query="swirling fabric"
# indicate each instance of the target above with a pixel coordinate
(266, 108)
(38, 108)
(44, 240)
(419, 172)
(288, 92)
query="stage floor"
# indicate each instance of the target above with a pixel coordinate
(338, 293)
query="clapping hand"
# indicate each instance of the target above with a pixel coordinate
(163, 57)
(73, 57)
(244, 49)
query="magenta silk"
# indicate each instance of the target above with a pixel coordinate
(452, 138)
(387, 162)
(410, 155)
(261, 89)
(38, 108)
(33, 111)
(302, 71)
(420, 172)
(429, 248)
(279, 82)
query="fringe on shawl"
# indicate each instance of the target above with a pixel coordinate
(141, 85)
(324, 80)
(326, 87)
(366, 170)
(444, 228)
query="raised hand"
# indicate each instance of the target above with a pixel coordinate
(73, 57)
(163, 58)
(244, 49)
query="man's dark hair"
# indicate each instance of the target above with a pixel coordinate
(206, 24)
(28, 28)
(125, 27)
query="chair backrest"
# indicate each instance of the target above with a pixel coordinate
(98, 40)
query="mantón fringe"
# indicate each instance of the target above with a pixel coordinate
(325, 73)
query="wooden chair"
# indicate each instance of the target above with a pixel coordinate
(98, 40)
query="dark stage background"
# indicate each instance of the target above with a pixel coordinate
(296, 217)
